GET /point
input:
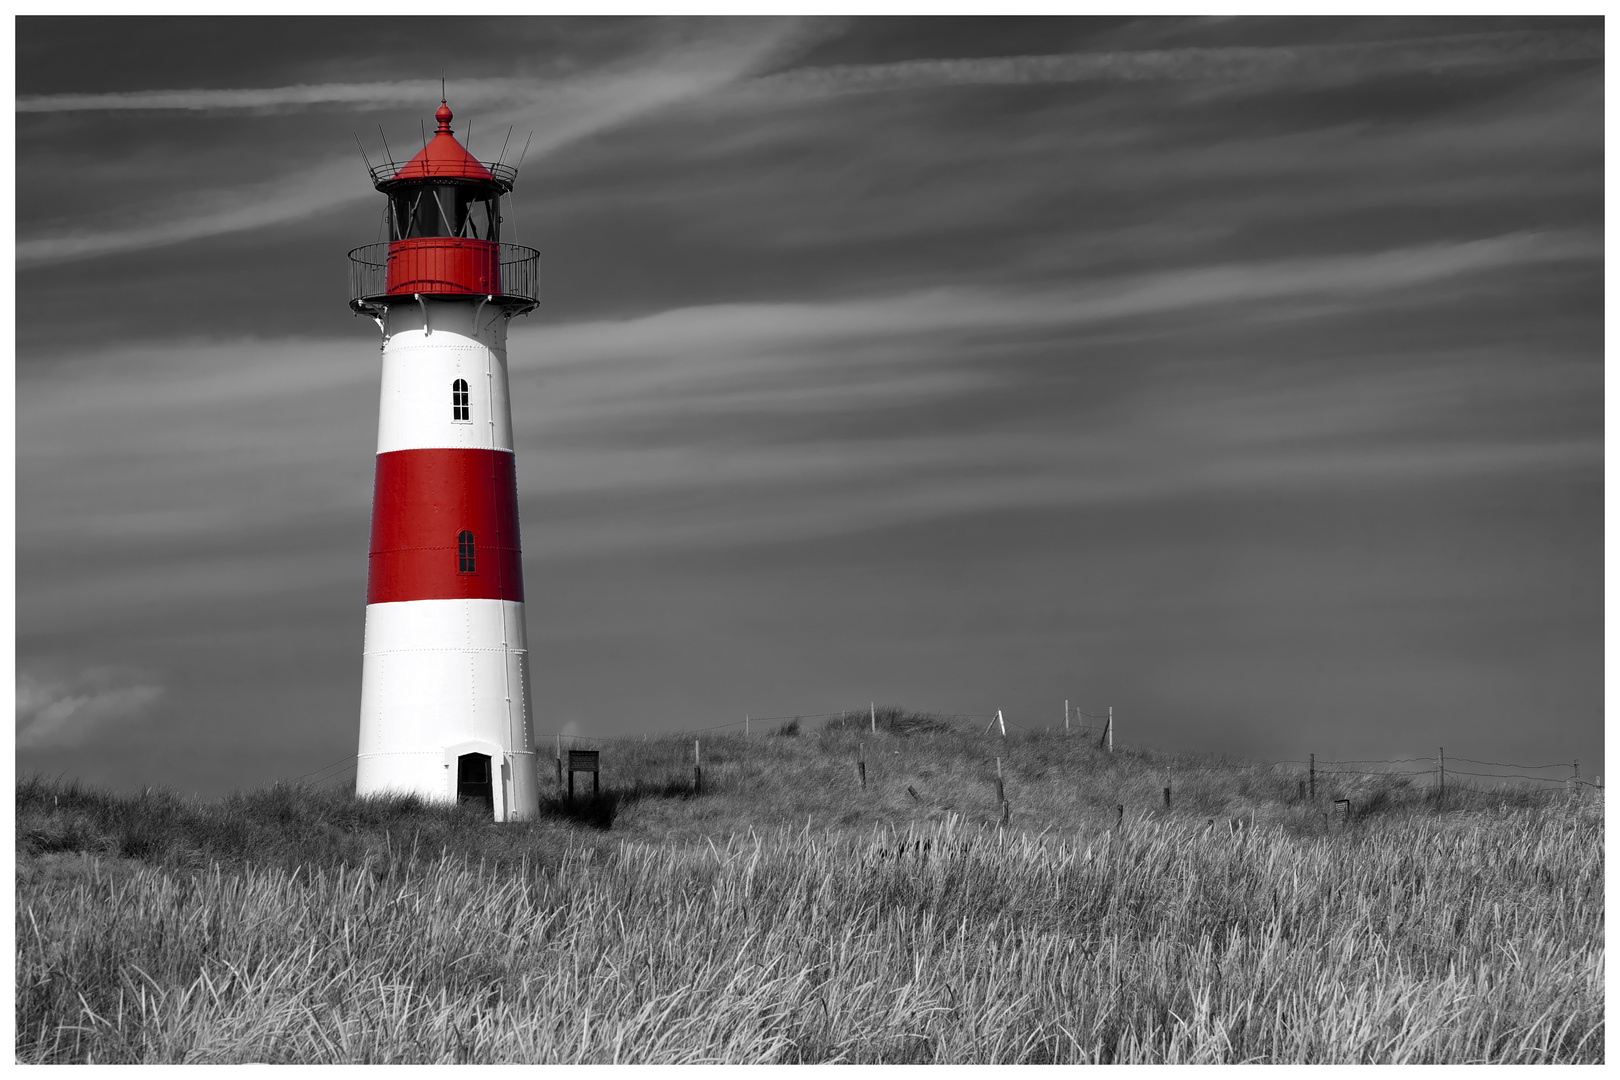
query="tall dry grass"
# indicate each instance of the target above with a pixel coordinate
(417, 934)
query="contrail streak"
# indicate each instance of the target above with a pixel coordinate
(373, 95)
(1316, 63)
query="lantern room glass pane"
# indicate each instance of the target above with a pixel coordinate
(439, 209)
(464, 210)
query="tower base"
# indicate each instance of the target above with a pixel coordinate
(444, 693)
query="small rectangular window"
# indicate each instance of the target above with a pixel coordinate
(460, 401)
(466, 553)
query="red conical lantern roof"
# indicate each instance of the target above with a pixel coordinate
(443, 158)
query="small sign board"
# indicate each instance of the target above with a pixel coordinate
(584, 761)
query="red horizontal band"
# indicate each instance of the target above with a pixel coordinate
(439, 265)
(423, 501)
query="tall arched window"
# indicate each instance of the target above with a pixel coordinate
(464, 551)
(460, 408)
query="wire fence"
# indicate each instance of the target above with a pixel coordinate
(1077, 723)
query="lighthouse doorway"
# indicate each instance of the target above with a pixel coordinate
(474, 788)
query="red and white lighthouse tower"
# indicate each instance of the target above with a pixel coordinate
(444, 699)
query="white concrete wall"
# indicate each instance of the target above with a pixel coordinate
(436, 674)
(462, 341)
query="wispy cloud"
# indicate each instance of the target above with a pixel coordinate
(1346, 276)
(320, 187)
(69, 712)
(811, 419)
(790, 418)
(717, 48)
(353, 96)
(1312, 63)
(280, 418)
(561, 111)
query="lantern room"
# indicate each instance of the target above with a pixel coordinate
(444, 231)
(443, 191)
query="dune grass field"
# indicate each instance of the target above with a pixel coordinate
(787, 914)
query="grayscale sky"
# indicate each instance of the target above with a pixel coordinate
(1244, 375)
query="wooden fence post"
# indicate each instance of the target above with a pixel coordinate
(1442, 764)
(873, 706)
(1110, 729)
(1313, 778)
(1302, 791)
(1001, 792)
(697, 768)
(860, 764)
(559, 759)
(1003, 722)
(1065, 716)
(745, 725)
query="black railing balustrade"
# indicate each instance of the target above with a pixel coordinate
(368, 273)
(368, 277)
(520, 272)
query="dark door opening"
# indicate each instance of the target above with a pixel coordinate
(473, 783)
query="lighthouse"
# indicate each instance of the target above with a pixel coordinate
(444, 692)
